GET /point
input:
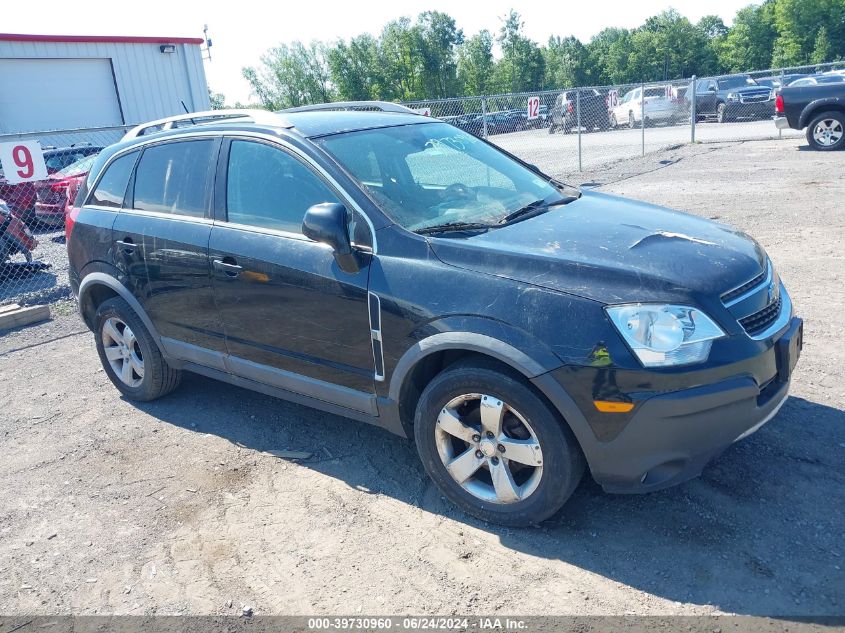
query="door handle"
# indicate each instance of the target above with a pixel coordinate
(227, 265)
(127, 245)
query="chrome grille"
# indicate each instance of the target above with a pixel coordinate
(762, 319)
(741, 290)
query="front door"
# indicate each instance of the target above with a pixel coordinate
(292, 318)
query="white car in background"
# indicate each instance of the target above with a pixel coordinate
(661, 105)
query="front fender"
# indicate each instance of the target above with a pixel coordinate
(498, 340)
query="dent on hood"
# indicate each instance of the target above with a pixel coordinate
(665, 235)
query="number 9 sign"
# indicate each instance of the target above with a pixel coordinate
(533, 108)
(22, 161)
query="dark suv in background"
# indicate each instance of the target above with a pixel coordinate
(733, 97)
(393, 269)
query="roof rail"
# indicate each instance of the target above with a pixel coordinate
(382, 106)
(211, 116)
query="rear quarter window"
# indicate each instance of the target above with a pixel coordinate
(111, 189)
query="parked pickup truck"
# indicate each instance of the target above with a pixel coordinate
(820, 109)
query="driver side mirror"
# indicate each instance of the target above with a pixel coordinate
(328, 223)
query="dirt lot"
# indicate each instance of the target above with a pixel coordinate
(176, 506)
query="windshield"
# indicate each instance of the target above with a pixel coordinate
(736, 82)
(433, 174)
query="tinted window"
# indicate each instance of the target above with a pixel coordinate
(173, 178)
(112, 186)
(269, 188)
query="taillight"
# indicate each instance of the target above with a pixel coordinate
(779, 104)
(59, 186)
(70, 220)
(570, 108)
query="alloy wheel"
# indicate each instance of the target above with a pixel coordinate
(828, 132)
(489, 448)
(123, 352)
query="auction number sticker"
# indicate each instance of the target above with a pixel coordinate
(533, 108)
(22, 161)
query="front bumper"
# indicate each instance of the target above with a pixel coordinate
(671, 436)
(751, 109)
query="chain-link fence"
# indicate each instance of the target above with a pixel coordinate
(563, 132)
(33, 256)
(580, 129)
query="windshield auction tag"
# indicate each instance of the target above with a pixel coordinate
(22, 161)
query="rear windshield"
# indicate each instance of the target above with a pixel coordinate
(79, 168)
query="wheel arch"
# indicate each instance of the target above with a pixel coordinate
(99, 286)
(814, 108)
(419, 364)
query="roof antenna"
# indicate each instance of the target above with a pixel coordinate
(187, 112)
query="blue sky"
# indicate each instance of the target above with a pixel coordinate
(242, 34)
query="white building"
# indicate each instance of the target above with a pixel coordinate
(65, 82)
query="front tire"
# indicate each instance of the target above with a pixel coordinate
(493, 447)
(722, 114)
(130, 356)
(826, 132)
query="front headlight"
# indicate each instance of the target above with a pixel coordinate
(732, 96)
(665, 335)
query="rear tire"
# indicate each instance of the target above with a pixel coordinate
(130, 356)
(826, 132)
(546, 462)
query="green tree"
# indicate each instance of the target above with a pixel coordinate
(748, 44)
(400, 60)
(566, 62)
(217, 99)
(439, 40)
(475, 63)
(354, 68)
(291, 76)
(607, 57)
(522, 66)
(822, 49)
(799, 23)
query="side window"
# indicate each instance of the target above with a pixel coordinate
(267, 187)
(173, 178)
(111, 189)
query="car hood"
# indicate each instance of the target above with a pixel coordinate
(613, 250)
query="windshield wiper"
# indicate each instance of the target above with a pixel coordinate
(532, 207)
(448, 227)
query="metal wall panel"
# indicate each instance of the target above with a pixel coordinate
(150, 84)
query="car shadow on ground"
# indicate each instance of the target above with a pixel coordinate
(758, 533)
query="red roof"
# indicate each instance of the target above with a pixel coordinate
(112, 39)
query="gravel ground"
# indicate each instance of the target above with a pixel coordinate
(177, 506)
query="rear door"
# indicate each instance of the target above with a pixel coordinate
(161, 245)
(293, 319)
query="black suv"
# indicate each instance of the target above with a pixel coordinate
(734, 97)
(391, 268)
